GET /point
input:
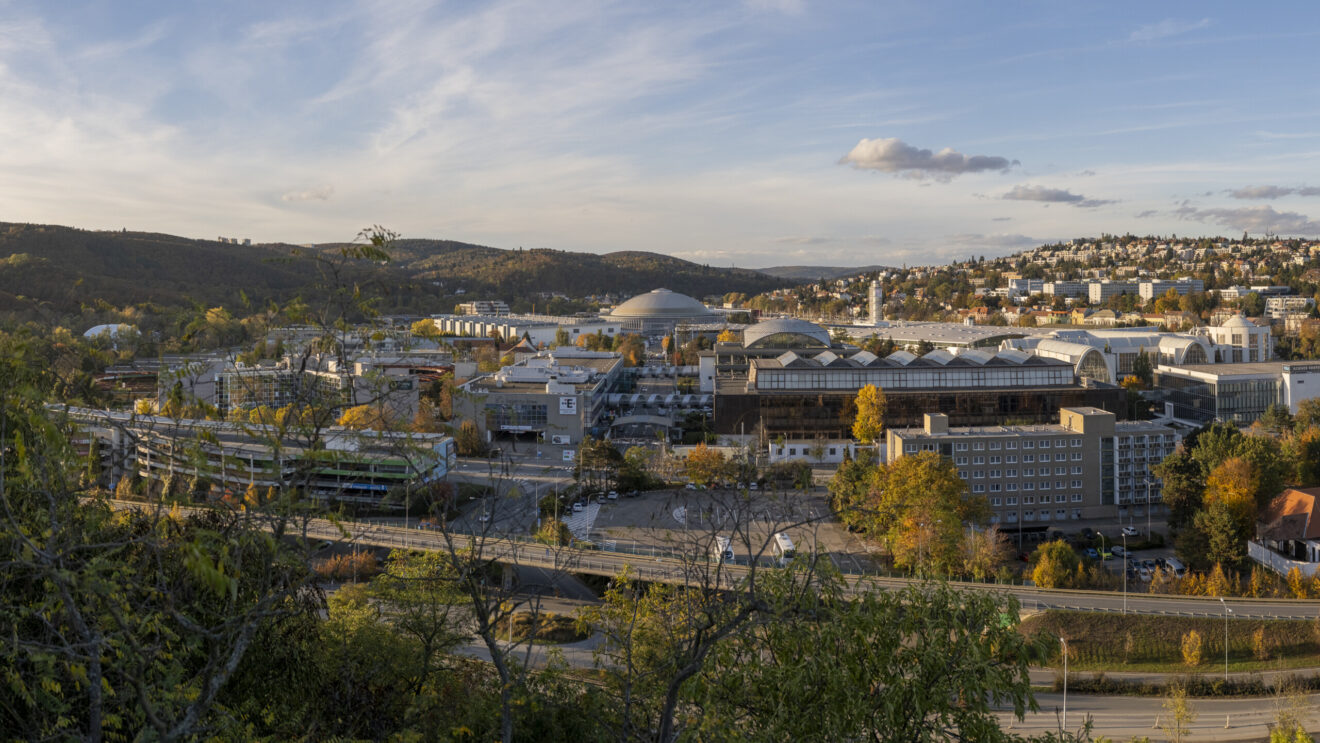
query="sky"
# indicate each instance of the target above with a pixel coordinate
(753, 133)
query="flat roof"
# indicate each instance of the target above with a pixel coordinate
(1234, 369)
(939, 332)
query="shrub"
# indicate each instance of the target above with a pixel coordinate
(1192, 646)
(1261, 644)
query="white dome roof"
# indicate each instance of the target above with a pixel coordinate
(661, 303)
(112, 330)
(814, 334)
(1237, 321)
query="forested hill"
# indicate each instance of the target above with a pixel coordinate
(801, 274)
(508, 274)
(49, 272)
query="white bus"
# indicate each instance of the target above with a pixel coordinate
(784, 551)
(721, 550)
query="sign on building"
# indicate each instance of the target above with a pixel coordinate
(568, 405)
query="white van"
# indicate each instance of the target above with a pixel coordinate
(721, 550)
(1173, 565)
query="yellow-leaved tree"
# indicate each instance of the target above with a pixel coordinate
(869, 424)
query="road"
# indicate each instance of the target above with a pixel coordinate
(667, 569)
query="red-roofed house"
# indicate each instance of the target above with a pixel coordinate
(1288, 532)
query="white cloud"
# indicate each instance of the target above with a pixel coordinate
(1272, 192)
(1258, 219)
(1166, 28)
(319, 193)
(896, 156)
(1052, 196)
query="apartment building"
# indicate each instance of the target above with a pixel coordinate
(1087, 466)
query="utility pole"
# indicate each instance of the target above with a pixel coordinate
(1227, 611)
(1064, 641)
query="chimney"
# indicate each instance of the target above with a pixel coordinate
(936, 423)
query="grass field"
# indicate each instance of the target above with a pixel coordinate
(1106, 642)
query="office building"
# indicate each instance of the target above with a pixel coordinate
(1155, 289)
(494, 308)
(1086, 466)
(559, 395)
(1098, 292)
(1236, 393)
(214, 458)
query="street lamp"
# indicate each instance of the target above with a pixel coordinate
(1125, 571)
(1148, 509)
(1064, 642)
(1227, 611)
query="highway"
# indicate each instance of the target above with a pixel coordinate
(660, 568)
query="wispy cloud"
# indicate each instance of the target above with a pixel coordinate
(1167, 28)
(320, 193)
(896, 156)
(1052, 196)
(1273, 192)
(1258, 219)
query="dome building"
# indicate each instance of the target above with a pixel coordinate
(786, 332)
(658, 312)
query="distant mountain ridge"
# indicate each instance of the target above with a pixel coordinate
(812, 273)
(49, 271)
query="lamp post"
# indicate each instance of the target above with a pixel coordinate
(1125, 571)
(1227, 611)
(1064, 642)
(1148, 510)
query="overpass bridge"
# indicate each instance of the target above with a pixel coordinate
(670, 569)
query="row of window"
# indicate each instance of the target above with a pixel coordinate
(1013, 444)
(1012, 458)
(1026, 472)
(1012, 487)
(1043, 514)
(1030, 500)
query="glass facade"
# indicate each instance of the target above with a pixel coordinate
(515, 416)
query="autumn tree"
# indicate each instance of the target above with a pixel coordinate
(868, 425)
(468, 440)
(1055, 565)
(705, 465)
(921, 506)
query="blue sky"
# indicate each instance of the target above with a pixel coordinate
(747, 133)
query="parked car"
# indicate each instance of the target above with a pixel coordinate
(612, 495)
(484, 517)
(753, 486)
(1148, 564)
(1129, 531)
(1091, 553)
(690, 486)
(1119, 551)
(578, 506)
(1144, 573)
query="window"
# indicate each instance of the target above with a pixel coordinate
(996, 474)
(910, 449)
(1029, 472)
(1076, 470)
(1044, 514)
(1077, 513)
(978, 488)
(1060, 498)
(960, 446)
(1060, 457)
(1010, 445)
(995, 446)
(1076, 497)
(1028, 486)
(996, 459)
(978, 474)
(1011, 473)
(1028, 458)
(1076, 483)
(1011, 487)
(1029, 516)
(960, 460)
(1012, 517)
(1076, 456)
(832, 452)
(979, 459)
(995, 502)
(1029, 500)
(1077, 443)
(1012, 501)
(1028, 444)
(962, 474)
(1060, 513)
(1045, 444)
(792, 451)
(1060, 470)
(996, 487)
(1010, 459)
(978, 446)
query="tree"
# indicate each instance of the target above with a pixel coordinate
(425, 328)
(727, 336)
(1056, 564)
(1143, 370)
(1179, 714)
(367, 417)
(468, 440)
(985, 551)
(705, 465)
(561, 338)
(1275, 420)
(1308, 413)
(921, 506)
(1191, 648)
(1233, 485)
(869, 423)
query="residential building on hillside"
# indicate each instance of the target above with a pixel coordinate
(1102, 291)
(1086, 466)
(1149, 290)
